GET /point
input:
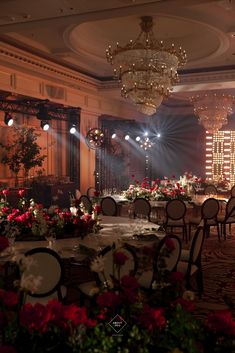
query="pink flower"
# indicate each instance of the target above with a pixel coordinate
(21, 192)
(5, 192)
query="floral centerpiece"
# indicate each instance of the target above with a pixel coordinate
(153, 190)
(31, 219)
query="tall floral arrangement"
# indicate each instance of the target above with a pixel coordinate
(23, 152)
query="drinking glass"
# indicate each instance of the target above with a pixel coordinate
(51, 238)
(11, 239)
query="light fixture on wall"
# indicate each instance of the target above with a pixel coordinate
(146, 68)
(8, 119)
(213, 109)
(95, 138)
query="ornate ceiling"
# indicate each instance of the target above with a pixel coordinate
(76, 33)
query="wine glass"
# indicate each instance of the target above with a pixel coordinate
(51, 238)
(11, 239)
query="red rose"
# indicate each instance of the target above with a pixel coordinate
(152, 318)
(119, 258)
(96, 193)
(108, 299)
(8, 298)
(4, 243)
(176, 277)
(97, 209)
(221, 322)
(169, 244)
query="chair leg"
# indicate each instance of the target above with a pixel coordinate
(218, 231)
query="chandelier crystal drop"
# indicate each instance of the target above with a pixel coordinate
(146, 68)
(213, 110)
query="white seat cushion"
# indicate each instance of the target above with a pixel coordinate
(45, 300)
(145, 279)
(184, 255)
(183, 266)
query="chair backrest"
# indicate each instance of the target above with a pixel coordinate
(108, 206)
(210, 209)
(129, 267)
(230, 210)
(86, 202)
(196, 246)
(232, 191)
(91, 191)
(175, 209)
(141, 207)
(168, 254)
(210, 190)
(48, 265)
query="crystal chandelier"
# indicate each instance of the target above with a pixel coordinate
(146, 68)
(213, 110)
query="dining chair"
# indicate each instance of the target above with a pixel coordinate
(175, 217)
(85, 200)
(232, 191)
(91, 191)
(228, 218)
(129, 268)
(165, 260)
(210, 190)
(141, 208)
(209, 214)
(109, 206)
(48, 265)
(190, 261)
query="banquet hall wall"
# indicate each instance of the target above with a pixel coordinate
(25, 74)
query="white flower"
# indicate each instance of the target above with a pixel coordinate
(29, 282)
(74, 210)
(188, 295)
(93, 291)
(97, 265)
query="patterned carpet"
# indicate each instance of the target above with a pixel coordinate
(218, 263)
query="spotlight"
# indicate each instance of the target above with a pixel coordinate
(158, 135)
(137, 138)
(45, 125)
(8, 120)
(114, 136)
(72, 129)
(146, 133)
(127, 137)
(73, 122)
